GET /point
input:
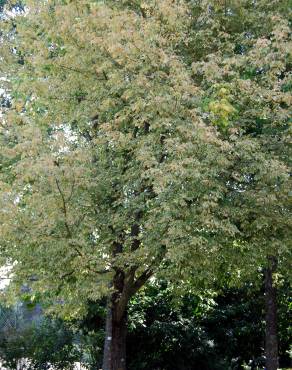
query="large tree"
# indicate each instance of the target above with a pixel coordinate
(109, 175)
(131, 122)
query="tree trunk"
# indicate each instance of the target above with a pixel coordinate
(271, 343)
(124, 287)
(114, 356)
(119, 330)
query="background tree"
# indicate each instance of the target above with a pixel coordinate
(247, 83)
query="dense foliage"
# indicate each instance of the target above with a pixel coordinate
(140, 140)
(111, 173)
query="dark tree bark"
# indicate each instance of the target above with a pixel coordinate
(119, 333)
(271, 342)
(114, 357)
(124, 286)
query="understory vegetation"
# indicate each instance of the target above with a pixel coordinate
(221, 332)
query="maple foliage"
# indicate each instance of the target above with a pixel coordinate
(144, 139)
(247, 94)
(111, 167)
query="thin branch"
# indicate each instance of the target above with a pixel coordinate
(69, 233)
(83, 72)
(78, 223)
(112, 59)
(64, 208)
(72, 190)
(105, 75)
(67, 274)
(69, 98)
(142, 279)
(77, 250)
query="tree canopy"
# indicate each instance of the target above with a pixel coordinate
(144, 139)
(111, 170)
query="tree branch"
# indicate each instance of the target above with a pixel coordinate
(69, 233)
(83, 72)
(64, 208)
(142, 279)
(72, 190)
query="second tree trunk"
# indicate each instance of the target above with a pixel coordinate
(271, 343)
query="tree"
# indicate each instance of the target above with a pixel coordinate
(247, 83)
(145, 138)
(109, 174)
